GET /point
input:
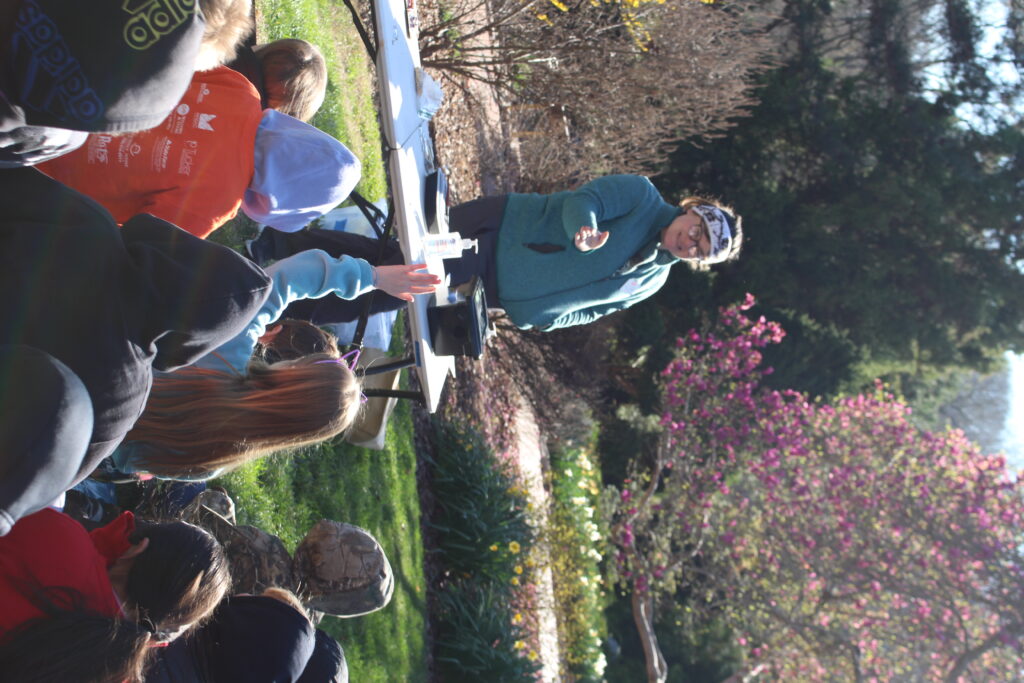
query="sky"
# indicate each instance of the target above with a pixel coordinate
(1013, 431)
(994, 15)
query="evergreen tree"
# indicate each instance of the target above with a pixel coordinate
(884, 231)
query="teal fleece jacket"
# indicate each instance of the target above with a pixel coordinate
(544, 281)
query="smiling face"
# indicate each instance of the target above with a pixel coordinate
(687, 237)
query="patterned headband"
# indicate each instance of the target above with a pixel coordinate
(718, 230)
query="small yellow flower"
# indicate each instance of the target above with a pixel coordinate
(514, 547)
(515, 581)
(494, 547)
(532, 656)
(519, 645)
(518, 569)
(560, 5)
(517, 618)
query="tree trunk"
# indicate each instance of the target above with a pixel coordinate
(965, 659)
(643, 608)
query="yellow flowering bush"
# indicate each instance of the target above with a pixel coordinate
(580, 541)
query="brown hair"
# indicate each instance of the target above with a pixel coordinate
(74, 645)
(294, 75)
(297, 338)
(197, 420)
(736, 227)
(179, 578)
(228, 23)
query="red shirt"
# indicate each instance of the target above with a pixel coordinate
(191, 170)
(49, 549)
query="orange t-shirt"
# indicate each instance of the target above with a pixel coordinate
(191, 170)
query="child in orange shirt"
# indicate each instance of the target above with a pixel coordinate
(217, 152)
(290, 75)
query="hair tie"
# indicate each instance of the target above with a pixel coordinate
(354, 355)
(350, 364)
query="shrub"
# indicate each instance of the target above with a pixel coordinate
(476, 639)
(483, 538)
(834, 539)
(480, 513)
(604, 86)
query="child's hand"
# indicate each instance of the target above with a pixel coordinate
(402, 282)
(589, 239)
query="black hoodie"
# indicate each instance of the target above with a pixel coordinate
(113, 304)
(97, 66)
(255, 639)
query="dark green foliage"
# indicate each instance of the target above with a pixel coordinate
(482, 534)
(475, 638)
(643, 325)
(479, 509)
(621, 444)
(817, 357)
(696, 651)
(885, 223)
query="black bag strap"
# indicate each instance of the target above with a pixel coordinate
(373, 214)
(382, 225)
(364, 35)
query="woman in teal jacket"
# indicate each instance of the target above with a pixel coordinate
(555, 260)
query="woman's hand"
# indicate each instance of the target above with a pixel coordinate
(589, 239)
(403, 281)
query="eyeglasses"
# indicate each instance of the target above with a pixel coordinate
(695, 233)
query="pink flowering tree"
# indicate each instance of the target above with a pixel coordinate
(837, 540)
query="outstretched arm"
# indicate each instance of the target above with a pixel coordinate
(307, 275)
(403, 281)
(310, 275)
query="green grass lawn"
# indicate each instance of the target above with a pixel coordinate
(376, 490)
(286, 494)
